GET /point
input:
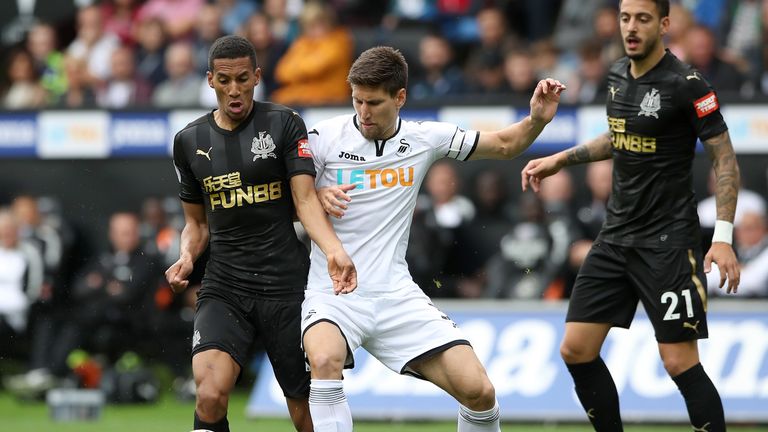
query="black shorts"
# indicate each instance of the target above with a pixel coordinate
(232, 323)
(669, 283)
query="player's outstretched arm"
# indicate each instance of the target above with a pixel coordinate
(509, 142)
(311, 214)
(727, 186)
(538, 169)
(194, 239)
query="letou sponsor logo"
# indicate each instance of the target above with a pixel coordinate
(82, 134)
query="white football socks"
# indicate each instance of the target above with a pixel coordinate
(328, 406)
(479, 421)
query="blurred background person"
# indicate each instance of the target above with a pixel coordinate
(183, 86)
(150, 51)
(22, 89)
(436, 75)
(268, 48)
(234, 14)
(124, 88)
(178, 16)
(21, 277)
(701, 51)
(591, 81)
(207, 30)
(313, 71)
(93, 45)
(79, 93)
(121, 19)
(519, 73)
(446, 213)
(42, 43)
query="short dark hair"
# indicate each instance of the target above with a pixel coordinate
(380, 67)
(231, 47)
(661, 5)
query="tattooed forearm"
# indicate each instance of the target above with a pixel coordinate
(726, 168)
(595, 150)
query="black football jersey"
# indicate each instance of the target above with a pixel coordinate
(242, 178)
(654, 122)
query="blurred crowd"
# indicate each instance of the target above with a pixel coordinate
(117, 54)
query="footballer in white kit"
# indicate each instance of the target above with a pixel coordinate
(388, 314)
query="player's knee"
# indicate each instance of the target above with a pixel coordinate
(574, 353)
(301, 421)
(325, 365)
(480, 395)
(675, 365)
(211, 404)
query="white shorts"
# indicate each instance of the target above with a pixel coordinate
(395, 329)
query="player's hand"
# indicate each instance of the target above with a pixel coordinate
(545, 99)
(722, 254)
(342, 272)
(538, 169)
(334, 199)
(177, 275)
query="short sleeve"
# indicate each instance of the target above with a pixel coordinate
(451, 141)
(297, 154)
(703, 107)
(189, 187)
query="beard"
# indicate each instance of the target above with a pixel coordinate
(643, 54)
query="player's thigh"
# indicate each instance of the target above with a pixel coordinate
(215, 372)
(670, 284)
(280, 333)
(222, 323)
(326, 349)
(409, 328)
(602, 292)
(582, 341)
(351, 315)
(458, 371)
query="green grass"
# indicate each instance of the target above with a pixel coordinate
(172, 415)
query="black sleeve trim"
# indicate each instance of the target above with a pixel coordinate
(474, 146)
(716, 132)
(294, 173)
(192, 200)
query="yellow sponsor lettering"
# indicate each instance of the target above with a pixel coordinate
(634, 143)
(275, 190)
(403, 180)
(372, 175)
(244, 196)
(617, 124)
(388, 177)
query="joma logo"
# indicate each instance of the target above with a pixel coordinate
(350, 156)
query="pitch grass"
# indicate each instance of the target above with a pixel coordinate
(170, 415)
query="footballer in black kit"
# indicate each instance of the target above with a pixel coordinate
(649, 247)
(245, 170)
(241, 177)
(651, 236)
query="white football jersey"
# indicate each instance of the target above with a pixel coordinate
(375, 227)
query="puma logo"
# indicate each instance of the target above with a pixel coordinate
(694, 75)
(206, 154)
(693, 327)
(613, 91)
(702, 429)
